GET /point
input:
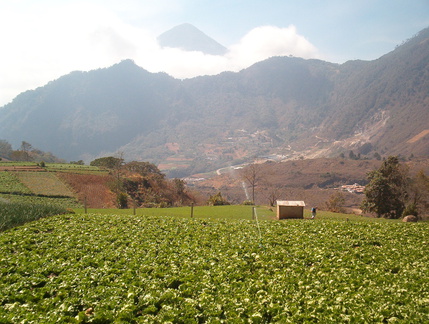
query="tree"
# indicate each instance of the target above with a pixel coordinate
(252, 174)
(273, 194)
(352, 156)
(335, 203)
(80, 162)
(17, 156)
(109, 162)
(143, 168)
(385, 194)
(5, 149)
(25, 149)
(418, 189)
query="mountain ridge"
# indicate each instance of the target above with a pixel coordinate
(283, 106)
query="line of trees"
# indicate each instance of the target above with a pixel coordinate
(142, 184)
(25, 153)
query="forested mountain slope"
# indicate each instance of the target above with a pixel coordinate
(286, 106)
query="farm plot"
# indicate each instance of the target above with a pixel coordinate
(65, 202)
(10, 183)
(136, 269)
(44, 183)
(75, 168)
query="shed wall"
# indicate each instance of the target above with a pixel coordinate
(284, 212)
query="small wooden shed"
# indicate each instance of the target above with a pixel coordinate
(290, 209)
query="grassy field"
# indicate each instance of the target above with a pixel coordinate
(113, 268)
(214, 212)
(228, 212)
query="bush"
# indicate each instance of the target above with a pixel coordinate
(122, 200)
(248, 203)
(335, 203)
(410, 209)
(217, 200)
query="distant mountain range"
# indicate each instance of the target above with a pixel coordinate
(189, 38)
(280, 108)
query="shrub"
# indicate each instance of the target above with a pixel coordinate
(410, 209)
(335, 203)
(122, 200)
(217, 200)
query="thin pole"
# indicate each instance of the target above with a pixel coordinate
(192, 210)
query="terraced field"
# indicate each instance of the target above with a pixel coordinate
(44, 183)
(36, 188)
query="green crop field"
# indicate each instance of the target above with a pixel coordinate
(64, 202)
(94, 268)
(44, 183)
(14, 214)
(41, 183)
(9, 183)
(17, 163)
(75, 168)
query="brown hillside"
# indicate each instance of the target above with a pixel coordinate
(313, 181)
(93, 188)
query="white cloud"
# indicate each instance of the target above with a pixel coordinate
(267, 41)
(41, 44)
(259, 44)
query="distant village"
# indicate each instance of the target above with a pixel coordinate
(354, 188)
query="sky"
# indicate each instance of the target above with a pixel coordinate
(41, 40)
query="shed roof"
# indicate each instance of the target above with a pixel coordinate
(290, 203)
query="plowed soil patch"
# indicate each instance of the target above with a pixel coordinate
(93, 189)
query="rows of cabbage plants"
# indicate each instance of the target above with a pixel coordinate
(135, 269)
(15, 213)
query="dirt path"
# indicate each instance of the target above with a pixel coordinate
(418, 136)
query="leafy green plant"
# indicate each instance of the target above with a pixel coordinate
(14, 214)
(113, 268)
(63, 202)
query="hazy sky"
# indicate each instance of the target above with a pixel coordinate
(42, 40)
